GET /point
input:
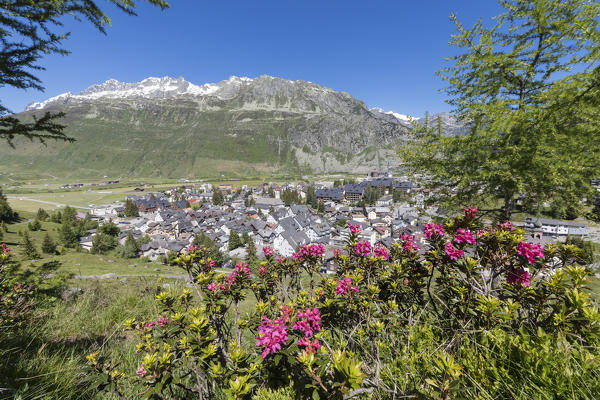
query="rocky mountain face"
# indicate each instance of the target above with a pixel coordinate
(171, 127)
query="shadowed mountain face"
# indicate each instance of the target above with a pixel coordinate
(169, 127)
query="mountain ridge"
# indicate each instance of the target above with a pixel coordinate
(171, 127)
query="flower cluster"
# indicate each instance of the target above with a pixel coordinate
(310, 347)
(160, 321)
(355, 229)
(240, 271)
(309, 322)
(286, 313)
(362, 248)
(530, 251)
(214, 287)
(381, 252)
(192, 248)
(312, 250)
(408, 243)
(519, 276)
(507, 226)
(452, 252)
(268, 251)
(470, 211)
(433, 230)
(262, 269)
(464, 236)
(272, 334)
(5, 249)
(344, 286)
(141, 371)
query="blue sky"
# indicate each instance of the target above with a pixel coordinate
(382, 52)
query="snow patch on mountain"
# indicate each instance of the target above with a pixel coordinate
(401, 117)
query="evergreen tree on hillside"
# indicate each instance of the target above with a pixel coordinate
(110, 228)
(69, 215)
(311, 198)
(130, 248)
(321, 207)
(41, 215)
(48, 245)
(131, 210)
(7, 215)
(56, 217)
(29, 249)
(251, 251)
(217, 198)
(67, 236)
(234, 240)
(527, 86)
(245, 237)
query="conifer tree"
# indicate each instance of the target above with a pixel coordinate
(251, 251)
(528, 87)
(41, 215)
(31, 30)
(131, 210)
(48, 245)
(234, 240)
(29, 249)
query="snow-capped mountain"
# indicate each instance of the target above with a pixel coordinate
(171, 126)
(401, 117)
(151, 88)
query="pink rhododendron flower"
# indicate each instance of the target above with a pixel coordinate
(240, 271)
(362, 248)
(212, 286)
(268, 251)
(381, 252)
(519, 276)
(192, 248)
(470, 211)
(312, 250)
(286, 313)
(355, 228)
(161, 321)
(317, 249)
(242, 268)
(464, 236)
(453, 252)
(507, 226)
(280, 260)
(262, 270)
(433, 230)
(310, 347)
(212, 263)
(408, 243)
(141, 371)
(337, 253)
(344, 286)
(149, 324)
(481, 232)
(308, 322)
(271, 335)
(530, 251)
